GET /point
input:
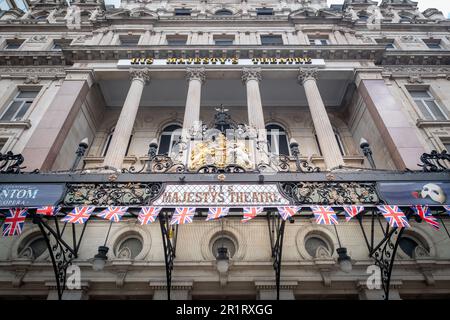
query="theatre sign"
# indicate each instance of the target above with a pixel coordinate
(266, 62)
(207, 195)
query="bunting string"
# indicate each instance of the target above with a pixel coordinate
(324, 215)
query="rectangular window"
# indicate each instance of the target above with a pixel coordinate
(176, 40)
(388, 43)
(223, 40)
(56, 46)
(264, 11)
(183, 12)
(3, 142)
(447, 146)
(129, 41)
(13, 44)
(433, 43)
(427, 105)
(318, 41)
(271, 40)
(20, 105)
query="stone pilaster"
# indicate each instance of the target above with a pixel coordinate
(324, 130)
(124, 126)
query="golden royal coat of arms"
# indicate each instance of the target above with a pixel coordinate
(220, 152)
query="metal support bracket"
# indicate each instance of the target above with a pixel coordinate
(276, 232)
(384, 252)
(62, 253)
(169, 236)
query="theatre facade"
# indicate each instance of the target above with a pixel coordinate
(221, 132)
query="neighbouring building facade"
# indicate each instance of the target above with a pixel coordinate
(235, 104)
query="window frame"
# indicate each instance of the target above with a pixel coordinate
(279, 36)
(277, 141)
(13, 41)
(223, 38)
(433, 98)
(172, 139)
(176, 38)
(265, 11)
(15, 96)
(437, 43)
(126, 37)
(180, 12)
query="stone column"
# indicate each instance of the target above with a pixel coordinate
(124, 126)
(325, 134)
(196, 77)
(251, 78)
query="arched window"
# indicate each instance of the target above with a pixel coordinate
(108, 142)
(277, 139)
(337, 136)
(169, 136)
(223, 12)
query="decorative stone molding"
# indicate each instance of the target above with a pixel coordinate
(251, 74)
(160, 285)
(120, 278)
(32, 73)
(34, 79)
(271, 285)
(305, 74)
(19, 274)
(196, 74)
(140, 74)
(415, 79)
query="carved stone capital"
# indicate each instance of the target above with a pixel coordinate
(305, 74)
(251, 74)
(198, 73)
(140, 74)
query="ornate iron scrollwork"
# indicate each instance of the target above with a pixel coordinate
(61, 252)
(434, 161)
(10, 162)
(169, 236)
(107, 194)
(215, 169)
(330, 193)
(276, 232)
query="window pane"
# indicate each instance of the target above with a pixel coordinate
(313, 243)
(420, 94)
(271, 40)
(22, 111)
(438, 114)
(27, 94)
(426, 114)
(11, 110)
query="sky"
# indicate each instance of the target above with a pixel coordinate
(443, 5)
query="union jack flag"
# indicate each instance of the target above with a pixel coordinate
(14, 221)
(113, 213)
(394, 216)
(48, 211)
(78, 215)
(251, 212)
(425, 213)
(148, 214)
(287, 212)
(324, 215)
(447, 208)
(183, 215)
(216, 213)
(352, 211)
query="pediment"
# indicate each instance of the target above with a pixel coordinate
(305, 13)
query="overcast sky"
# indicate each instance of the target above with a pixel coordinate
(443, 5)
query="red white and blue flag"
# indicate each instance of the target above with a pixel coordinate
(287, 212)
(148, 214)
(251, 212)
(447, 208)
(425, 214)
(394, 216)
(216, 213)
(324, 215)
(78, 215)
(48, 211)
(14, 221)
(183, 215)
(113, 213)
(352, 211)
